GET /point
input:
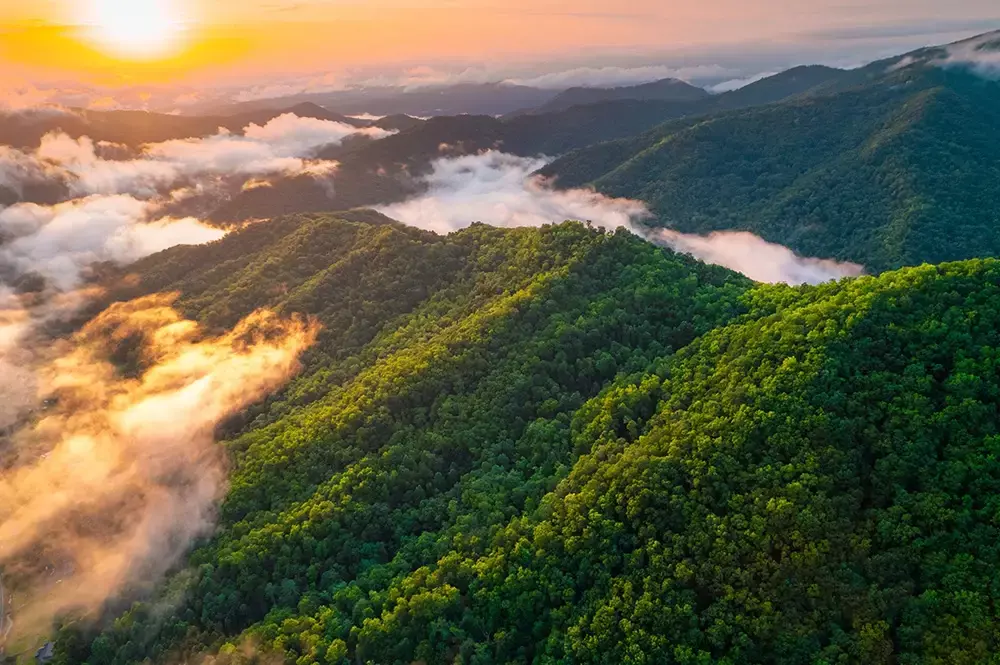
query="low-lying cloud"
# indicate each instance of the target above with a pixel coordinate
(736, 84)
(60, 242)
(118, 472)
(756, 258)
(110, 471)
(501, 190)
(980, 54)
(284, 146)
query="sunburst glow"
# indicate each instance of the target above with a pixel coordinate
(137, 29)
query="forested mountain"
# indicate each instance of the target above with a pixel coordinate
(561, 445)
(898, 171)
(431, 100)
(667, 90)
(384, 171)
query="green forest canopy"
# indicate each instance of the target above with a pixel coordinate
(560, 445)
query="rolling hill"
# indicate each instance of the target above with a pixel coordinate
(384, 171)
(561, 445)
(896, 170)
(430, 100)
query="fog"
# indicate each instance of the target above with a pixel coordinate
(284, 146)
(109, 470)
(501, 190)
(119, 471)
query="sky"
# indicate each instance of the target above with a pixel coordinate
(199, 43)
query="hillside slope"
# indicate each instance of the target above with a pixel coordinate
(897, 172)
(559, 445)
(383, 171)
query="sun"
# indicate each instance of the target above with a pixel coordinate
(135, 29)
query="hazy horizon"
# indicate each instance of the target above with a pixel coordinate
(60, 51)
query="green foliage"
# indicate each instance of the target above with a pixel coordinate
(899, 171)
(577, 448)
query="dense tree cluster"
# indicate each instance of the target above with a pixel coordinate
(559, 445)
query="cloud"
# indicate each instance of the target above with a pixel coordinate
(736, 84)
(18, 170)
(314, 84)
(755, 257)
(501, 190)
(980, 54)
(286, 145)
(111, 483)
(17, 392)
(60, 242)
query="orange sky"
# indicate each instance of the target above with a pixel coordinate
(239, 37)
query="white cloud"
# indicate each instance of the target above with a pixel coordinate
(736, 84)
(499, 189)
(285, 145)
(59, 242)
(981, 54)
(755, 257)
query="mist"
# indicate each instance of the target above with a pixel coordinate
(284, 146)
(60, 242)
(111, 471)
(981, 55)
(117, 475)
(756, 258)
(502, 190)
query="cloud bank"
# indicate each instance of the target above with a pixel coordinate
(756, 258)
(60, 242)
(284, 146)
(108, 474)
(981, 54)
(501, 190)
(107, 488)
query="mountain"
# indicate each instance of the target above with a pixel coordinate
(784, 85)
(384, 171)
(562, 445)
(899, 169)
(666, 90)
(388, 170)
(463, 98)
(397, 123)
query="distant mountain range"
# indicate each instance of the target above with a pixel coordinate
(667, 90)
(463, 98)
(887, 165)
(383, 171)
(892, 164)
